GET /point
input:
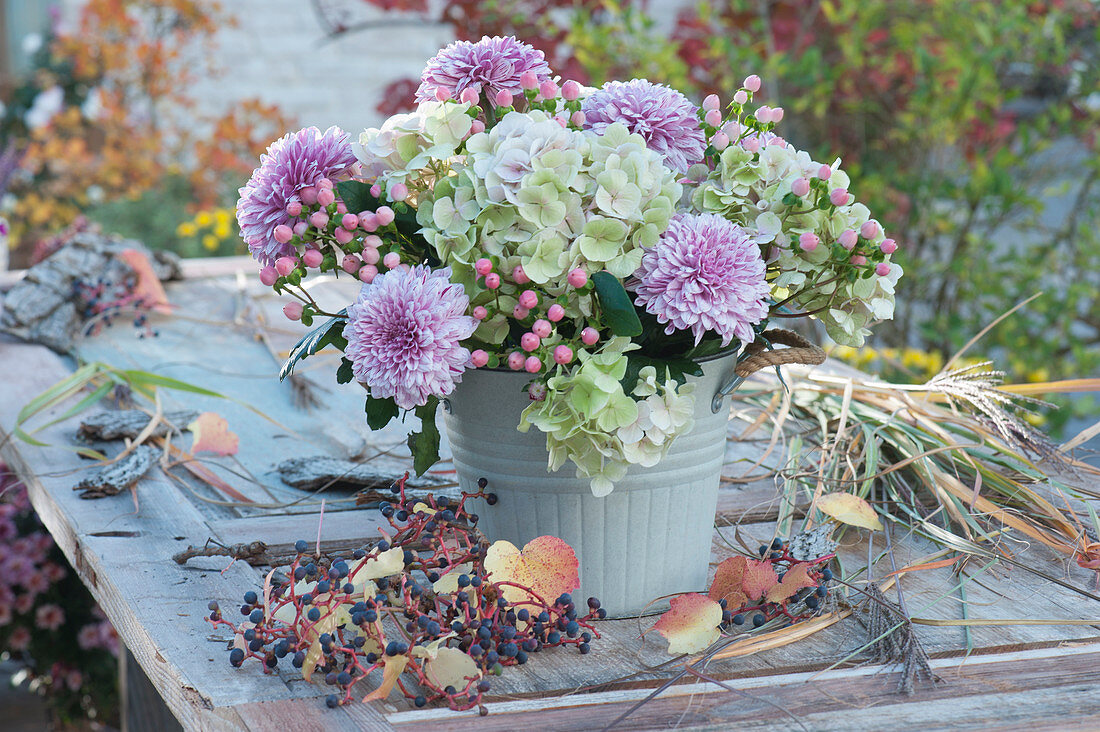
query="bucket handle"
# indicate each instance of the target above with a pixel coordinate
(755, 357)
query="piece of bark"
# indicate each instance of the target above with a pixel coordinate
(311, 473)
(119, 476)
(129, 423)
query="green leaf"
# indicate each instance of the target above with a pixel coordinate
(678, 369)
(617, 307)
(329, 333)
(344, 374)
(425, 443)
(380, 412)
(356, 196)
(146, 379)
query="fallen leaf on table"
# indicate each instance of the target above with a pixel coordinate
(796, 578)
(727, 581)
(446, 666)
(850, 509)
(547, 566)
(211, 434)
(148, 288)
(392, 669)
(691, 624)
(759, 578)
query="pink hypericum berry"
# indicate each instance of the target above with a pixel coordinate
(391, 260)
(312, 258)
(589, 336)
(294, 208)
(529, 80)
(300, 228)
(555, 313)
(777, 114)
(764, 114)
(376, 190)
(532, 364)
(293, 310)
(492, 280)
(528, 299)
(516, 360)
(888, 246)
(859, 260)
(341, 208)
(399, 192)
(563, 354)
(343, 236)
(285, 265)
(800, 187)
(479, 358)
(385, 215)
(477, 126)
(480, 313)
(283, 233)
(350, 264)
(577, 277)
(752, 144)
(838, 196)
(740, 97)
(349, 221)
(529, 341)
(571, 91)
(848, 239)
(711, 101)
(548, 89)
(372, 242)
(308, 195)
(720, 141)
(713, 118)
(368, 221)
(325, 183)
(752, 83)
(503, 98)
(808, 241)
(268, 275)
(732, 128)
(869, 230)
(469, 96)
(824, 172)
(319, 219)
(367, 273)
(542, 328)
(442, 93)
(578, 118)
(520, 276)
(519, 312)
(882, 269)
(483, 266)
(326, 197)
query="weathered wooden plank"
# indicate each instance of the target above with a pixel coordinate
(309, 715)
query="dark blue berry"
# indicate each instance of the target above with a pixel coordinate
(777, 543)
(343, 678)
(553, 638)
(491, 658)
(476, 650)
(738, 619)
(323, 586)
(463, 580)
(314, 614)
(584, 648)
(812, 602)
(509, 649)
(236, 657)
(572, 628)
(762, 550)
(249, 634)
(300, 573)
(822, 591)
(332, 701)
(383, 546)
(475, 582)
(483, 685)
(301, 546)
(299, 659)
(420, 701)
(521, 657)
(402, 516)
(255, 644)
(212, 605)
(758, 620)
(256, 616)
(250, 597)
(826, 574)
(491, 498)
(349, 589)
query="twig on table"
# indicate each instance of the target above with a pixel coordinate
(255, 553)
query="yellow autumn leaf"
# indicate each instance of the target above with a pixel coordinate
(211, 434)
(445, 666)
(448, 583)
(691, 624)
(546, 565)
(850, 509)
(392, 669)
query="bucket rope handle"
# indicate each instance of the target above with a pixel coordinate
(755, 357)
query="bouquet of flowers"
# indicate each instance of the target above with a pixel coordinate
(600, 240)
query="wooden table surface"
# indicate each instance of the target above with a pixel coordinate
(1002, 676)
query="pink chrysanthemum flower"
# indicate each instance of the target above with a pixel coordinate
(704, 274)
(403, 335)
(489, 66)
(667, 120)
(49, 617)
(291, 163)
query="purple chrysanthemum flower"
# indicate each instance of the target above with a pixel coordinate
(667, 120)
(294, 161)
(488, 66)
(705, 273)
(403, 335)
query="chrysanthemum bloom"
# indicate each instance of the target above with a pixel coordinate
(403, 335)
(705, 274)
(488, 67)
(291, 163)
(49, 617)
(663, 116)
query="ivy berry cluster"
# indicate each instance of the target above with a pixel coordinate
(420, 610)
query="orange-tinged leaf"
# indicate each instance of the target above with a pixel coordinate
(390, 672)
(759, 578)
(148, 288)
(446, 666)
(547, 566)
(797, 577)
(848, 508)
(727, 582)
(211, 433)
(691, 624)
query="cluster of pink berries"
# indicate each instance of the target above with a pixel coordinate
(543, 95)
(722, 132)
(534, 353)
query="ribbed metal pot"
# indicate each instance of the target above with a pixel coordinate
(651, 537)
